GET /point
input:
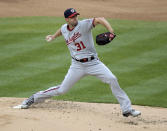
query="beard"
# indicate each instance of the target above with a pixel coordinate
(74, 24)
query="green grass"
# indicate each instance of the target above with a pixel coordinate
(137, 57)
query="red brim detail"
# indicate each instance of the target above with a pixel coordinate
(73, 14)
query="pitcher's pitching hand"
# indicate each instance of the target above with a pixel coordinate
(49, 38)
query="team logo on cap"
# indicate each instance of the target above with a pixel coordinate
(72, 10)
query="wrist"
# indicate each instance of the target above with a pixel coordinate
(53, 36)
(111, 31)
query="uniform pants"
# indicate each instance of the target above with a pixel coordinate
(77, 71)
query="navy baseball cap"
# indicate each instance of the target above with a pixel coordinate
(70, 13)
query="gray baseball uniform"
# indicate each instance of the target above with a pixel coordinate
(80, 44)
(80, 40)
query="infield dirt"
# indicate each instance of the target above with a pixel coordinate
(120, 9)
(76, 116)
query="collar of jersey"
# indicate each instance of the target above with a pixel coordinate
(68, 28)
(72, 28)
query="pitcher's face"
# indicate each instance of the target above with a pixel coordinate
(72, 21)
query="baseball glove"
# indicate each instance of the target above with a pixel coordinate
(105, 38)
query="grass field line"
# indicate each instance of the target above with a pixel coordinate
(132, 50)
(16, 38)
(43, 64)
(138, 61)
(31, 20)
(37, 54)
(123, 42)
(123, 24)
(46, 63)
(31, 69)
(152, 84)
(34, 79)
(150, 90)
(19, 47)
(25, 47)
(143, 74)
(22, 59)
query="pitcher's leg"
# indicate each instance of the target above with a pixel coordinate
(103, 73)
(121, 96)
(42, 95)
(70, 79)
(73, 75)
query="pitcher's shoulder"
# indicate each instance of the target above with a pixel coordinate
(64, 28)
(86, 20)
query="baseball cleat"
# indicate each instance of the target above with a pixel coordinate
(21, 107)
(26, 103)
(132, 112)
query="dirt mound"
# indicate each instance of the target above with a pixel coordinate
(76, 116)
(122, 9)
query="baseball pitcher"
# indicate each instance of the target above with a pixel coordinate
(85, 61)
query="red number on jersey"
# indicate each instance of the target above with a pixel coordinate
(80, 46)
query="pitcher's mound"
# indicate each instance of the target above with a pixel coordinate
(76, 116)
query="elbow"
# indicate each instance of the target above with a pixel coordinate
(101, 18)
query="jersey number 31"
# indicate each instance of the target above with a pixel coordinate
(80, 46)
